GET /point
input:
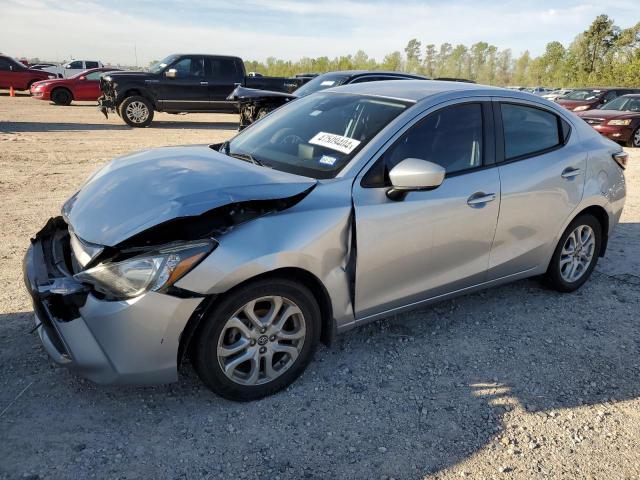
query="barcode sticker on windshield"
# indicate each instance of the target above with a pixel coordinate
(335, 142)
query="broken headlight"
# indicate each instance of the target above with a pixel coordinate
(150, 271)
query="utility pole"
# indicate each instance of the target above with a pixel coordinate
(135, 52)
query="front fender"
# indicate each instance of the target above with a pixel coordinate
(314, 236)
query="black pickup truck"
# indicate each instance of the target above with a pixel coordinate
(182, 83)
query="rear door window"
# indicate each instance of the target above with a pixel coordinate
(91, 65)
(529, 131)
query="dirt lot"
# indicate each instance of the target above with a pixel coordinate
(515, 382)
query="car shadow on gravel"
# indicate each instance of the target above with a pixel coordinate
(21, 127)
(403, 397)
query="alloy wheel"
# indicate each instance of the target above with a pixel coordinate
(137, 112)
(577, 253)
(261, 340)
(636, 138)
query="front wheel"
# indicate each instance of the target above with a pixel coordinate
(61, 96)
(136, 111)
(576, 254)
(258, 340)
(634, 141)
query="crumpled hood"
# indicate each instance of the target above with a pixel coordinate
(144, 189)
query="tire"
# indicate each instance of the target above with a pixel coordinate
(560, 275)
(248, 379)
(61, 96)
(136, 111)
(634, 140)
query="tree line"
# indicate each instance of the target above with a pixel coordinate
(604, 54)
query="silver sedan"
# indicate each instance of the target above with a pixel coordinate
(343, 207)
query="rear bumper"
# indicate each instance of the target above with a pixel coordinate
(109, 342)
(616, 133)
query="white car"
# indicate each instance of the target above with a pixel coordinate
(73, 67)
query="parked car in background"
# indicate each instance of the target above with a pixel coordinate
(618, 120)
(73, 68)
(554, 94)
(14, 74)
(85, 86)
(40, 66)
(182, 83)
(582, 99)
(254, 104)
(340, 208)
(540, 91)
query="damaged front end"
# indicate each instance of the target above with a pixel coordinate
(254, 104)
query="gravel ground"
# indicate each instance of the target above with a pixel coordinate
(514, 382)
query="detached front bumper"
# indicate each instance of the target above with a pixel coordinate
(109, 342)
(106, 105)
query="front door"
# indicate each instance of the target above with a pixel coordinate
(188, 90)
(89, 88)
(431, 242)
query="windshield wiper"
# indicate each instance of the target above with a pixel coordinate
(246, 157)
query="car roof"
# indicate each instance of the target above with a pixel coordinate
(417, 90)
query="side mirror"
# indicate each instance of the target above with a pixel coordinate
(171, 73)
(83, 78)
(414, 174)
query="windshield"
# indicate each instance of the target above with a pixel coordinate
(315, 136)
(321, 82)
(626, 104)
(162, 64)
(583, 95)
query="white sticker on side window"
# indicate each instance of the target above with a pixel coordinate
(327, 83)
(335, 142)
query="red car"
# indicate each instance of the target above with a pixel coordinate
(85, 86)
(619, 120)
(15, 74)
(583, 99)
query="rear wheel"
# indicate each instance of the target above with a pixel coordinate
(258, 340)
(61, 96)
(634, 141)
(136, 111)
(576, 254)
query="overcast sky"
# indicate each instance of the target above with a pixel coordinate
(109, 30)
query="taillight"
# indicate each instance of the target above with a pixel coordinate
(621, 159)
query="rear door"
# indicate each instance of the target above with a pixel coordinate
(222, 73)
(431, 242)
(188, 90)
(542, 172)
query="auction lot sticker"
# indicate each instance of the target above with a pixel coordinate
(335, 142)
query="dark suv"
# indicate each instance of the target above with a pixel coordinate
(583, 99)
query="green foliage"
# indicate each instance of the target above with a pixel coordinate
(604, 54)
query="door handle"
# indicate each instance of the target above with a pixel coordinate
(570, 172)
(478, 199)
(204, 83)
